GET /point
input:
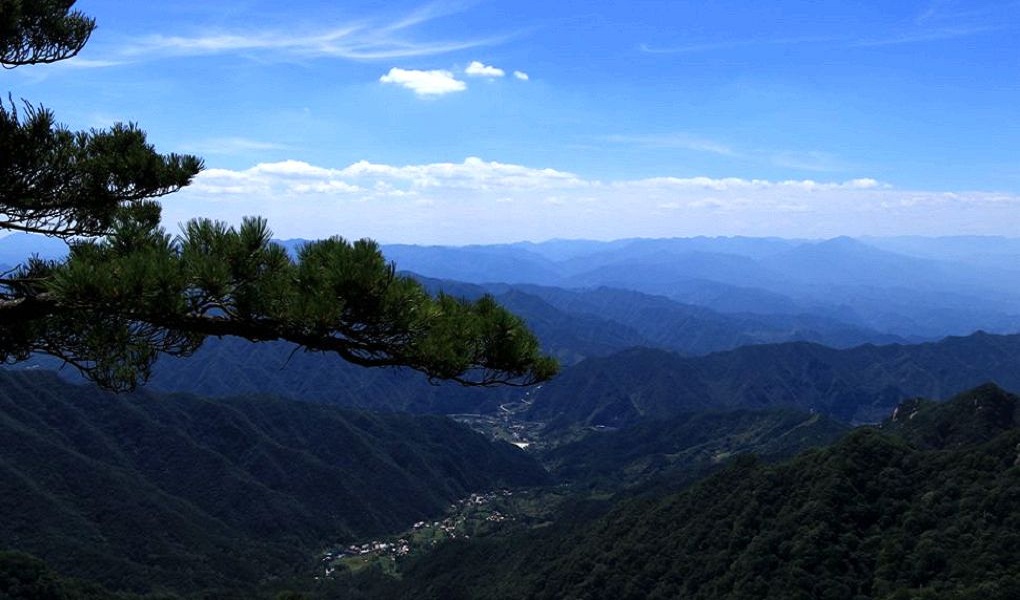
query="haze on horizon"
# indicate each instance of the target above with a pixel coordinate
(480, 122)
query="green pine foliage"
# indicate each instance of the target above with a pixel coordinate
(129, 292)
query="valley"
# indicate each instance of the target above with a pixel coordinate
(259, 469)
(458, 300)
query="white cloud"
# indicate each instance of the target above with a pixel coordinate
(477, 69)
(923, 35)
(85, 63)
(291, 168)
(231, 145)
(815, 161)
(473, 173)
(349, 43)
(811, 160)
(366, 38)
(479, 201)
(729, 44)
(388, 180)
(681, 140)
(521, 75)
(425, 83)
(326, 187)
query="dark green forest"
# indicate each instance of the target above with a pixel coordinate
(703, 418)
(144, 492)
(626, 386)
(922, 507)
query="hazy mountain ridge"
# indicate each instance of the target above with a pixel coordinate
(691, 329)
(621, 349)
(572, 325)
(862, 384)
(858, 384)
(909, 287)
(919, 294)
(627, 318)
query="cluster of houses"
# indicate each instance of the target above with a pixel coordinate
(452, 527)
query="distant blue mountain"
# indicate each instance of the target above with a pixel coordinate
(909, 287)
(17, 247)
(842, 279)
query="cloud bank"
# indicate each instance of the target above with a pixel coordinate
(478, 201)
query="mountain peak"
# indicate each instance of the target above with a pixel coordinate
(972, 417)
(844, 244)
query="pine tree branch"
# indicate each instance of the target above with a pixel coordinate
(363, 351)
(128, 292)
(41, 32)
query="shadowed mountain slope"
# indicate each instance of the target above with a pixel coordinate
(862, 384)
(876, 515)
(677, 451)
(137, 491)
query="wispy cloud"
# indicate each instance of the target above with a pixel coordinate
(424, 83)
(957, 11)
(371, 38)
(813, 160)
(940, 20)
(799, 160)
(683, 141)
(230, 146)
(951, 19)
(908, 35)
(927, 34)
(79, 62)
(931, 10)
(521, 75)
(712, 46)
(737, 184)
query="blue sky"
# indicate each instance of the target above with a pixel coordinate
(472, 122)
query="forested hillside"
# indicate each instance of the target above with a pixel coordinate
(519, 300)
(145, 492)
(928, 506)
(677, 451)
(862, 384)
(231, 494)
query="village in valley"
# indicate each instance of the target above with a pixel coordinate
(477, 514)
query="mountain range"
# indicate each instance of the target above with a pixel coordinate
(852, 385)
(901, 286)
(231, 472)
(915, 288)
(855, 385)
